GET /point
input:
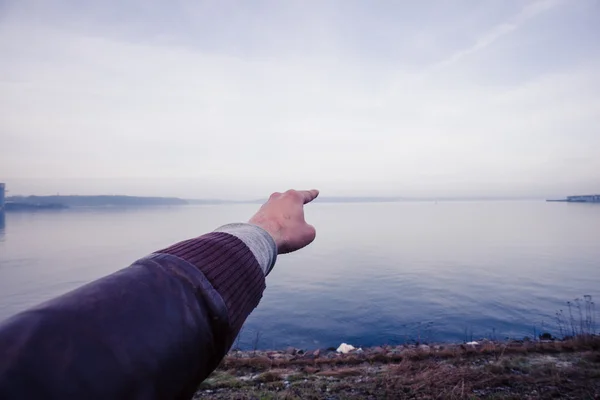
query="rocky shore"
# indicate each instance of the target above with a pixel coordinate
(568, 369)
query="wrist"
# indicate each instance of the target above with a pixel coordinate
(258, 239)
(272, 227)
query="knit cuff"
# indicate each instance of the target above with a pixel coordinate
(231, 269)
(258, 240)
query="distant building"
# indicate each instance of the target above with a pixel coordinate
(591, 198)
(2, 186)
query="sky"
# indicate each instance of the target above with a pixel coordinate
(236, 99)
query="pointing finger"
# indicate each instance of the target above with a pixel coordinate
(309, 195)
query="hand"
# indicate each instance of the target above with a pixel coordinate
(283, 217)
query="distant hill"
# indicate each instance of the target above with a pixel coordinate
(116, 201)
(216, 201)
(97, 201)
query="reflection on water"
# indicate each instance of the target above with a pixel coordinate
(2, 224)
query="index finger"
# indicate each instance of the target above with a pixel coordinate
(309, 195)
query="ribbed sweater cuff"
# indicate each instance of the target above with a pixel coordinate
(231, 268)
(258, 240)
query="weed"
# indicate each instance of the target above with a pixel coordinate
(268, 376)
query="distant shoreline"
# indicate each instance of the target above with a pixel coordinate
(68, 201)
(588, 198)
(61, 202)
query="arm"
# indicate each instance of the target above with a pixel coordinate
(157, 328)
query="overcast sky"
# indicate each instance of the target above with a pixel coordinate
(235, 99)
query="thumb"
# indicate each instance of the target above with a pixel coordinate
(310, 233)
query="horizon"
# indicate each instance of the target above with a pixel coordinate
(322, 197)
(162, 188)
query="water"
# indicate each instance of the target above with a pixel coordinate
(378, 272)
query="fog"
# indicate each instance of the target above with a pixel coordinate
(234, 100)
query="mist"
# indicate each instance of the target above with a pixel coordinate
(229, 100)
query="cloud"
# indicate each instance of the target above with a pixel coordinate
(485, 40)
(93, 107)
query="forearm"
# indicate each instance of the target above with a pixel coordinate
(235, 263)
(153, 330)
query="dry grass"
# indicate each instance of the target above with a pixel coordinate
(539, 369)
(569, 369)
(269, 376)
(341, 372)
(493, 350)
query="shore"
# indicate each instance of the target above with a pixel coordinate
(568, 369)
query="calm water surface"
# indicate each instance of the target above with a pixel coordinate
(377, 273)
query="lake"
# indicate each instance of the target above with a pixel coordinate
(378, 273)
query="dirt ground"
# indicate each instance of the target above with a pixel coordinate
(567, 369)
